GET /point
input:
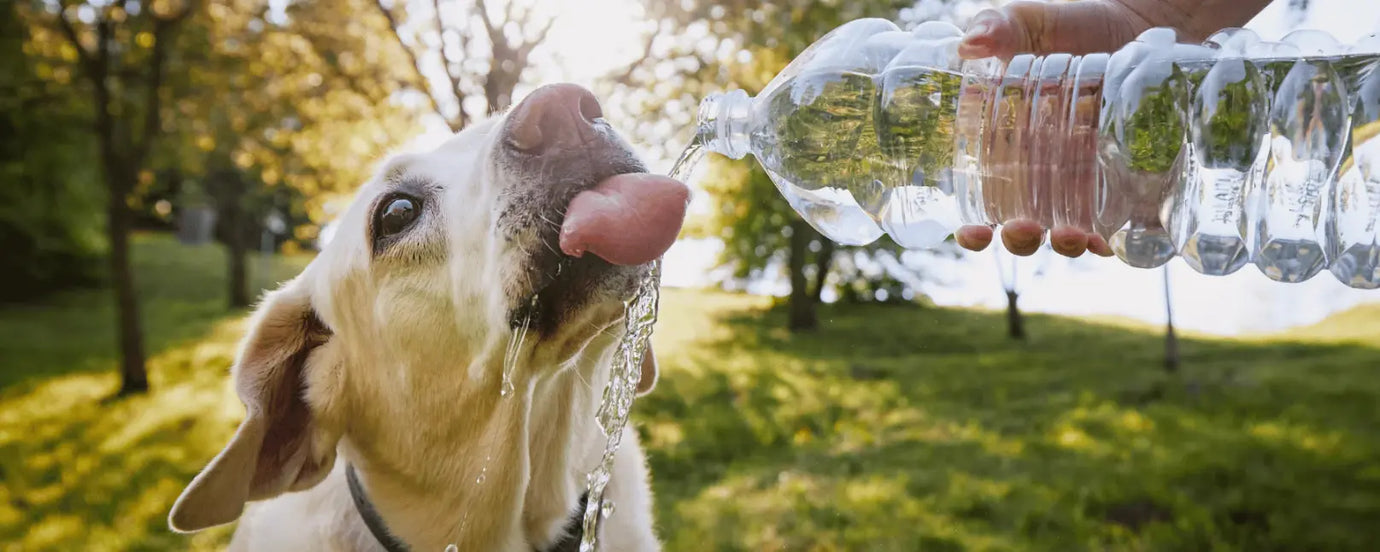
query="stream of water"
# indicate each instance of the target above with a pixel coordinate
(626, 372)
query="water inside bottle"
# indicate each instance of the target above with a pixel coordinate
(1355, 228)
(818, 147)
(1308, 124)
(916, 121)
(1226, 140)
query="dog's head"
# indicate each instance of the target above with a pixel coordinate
(444, 262)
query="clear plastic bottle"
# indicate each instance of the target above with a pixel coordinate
(1226, 153)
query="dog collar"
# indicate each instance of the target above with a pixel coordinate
(374, 521)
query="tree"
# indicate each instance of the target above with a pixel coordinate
(479, 55)
(1015, 322)
(50, 212)
(296, 91)
(1171, 341)
(122, 52)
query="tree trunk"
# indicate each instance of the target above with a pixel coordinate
(824, 260)
(1171, 341)
(1015, 324)
(236, 248)
(239, 274)
(122, 154)
(133, 377)
(802, 305)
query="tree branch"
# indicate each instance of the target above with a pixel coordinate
(441, 36)
(83, 56)
(118, 4)
(162, 34)
(495, 33)
(624, 77)
(508, 16)
(446, 61)
(528, 45)
(421, 82)
(105, 123)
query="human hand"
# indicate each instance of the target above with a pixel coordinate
(1080, 27)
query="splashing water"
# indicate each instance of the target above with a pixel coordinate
(510, 356)
(619, 394)
(639, 316)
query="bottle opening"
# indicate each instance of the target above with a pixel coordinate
(723, 123)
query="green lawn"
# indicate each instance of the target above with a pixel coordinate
(891, 429)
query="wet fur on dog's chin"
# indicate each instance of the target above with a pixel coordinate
(389, 354)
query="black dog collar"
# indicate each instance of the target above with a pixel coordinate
(374, 521)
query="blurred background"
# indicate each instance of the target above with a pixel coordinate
(163, 162)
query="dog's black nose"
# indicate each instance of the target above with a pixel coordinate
(557, 116)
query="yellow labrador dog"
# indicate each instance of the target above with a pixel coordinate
(377, 417)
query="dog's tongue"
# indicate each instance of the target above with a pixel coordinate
(629, 219)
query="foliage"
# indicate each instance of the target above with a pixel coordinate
(282, 98)
(122, 53)
(50, 208)
(83, 474)
(893, 430)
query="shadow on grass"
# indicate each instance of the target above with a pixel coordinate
(82, 473)
(892, 429)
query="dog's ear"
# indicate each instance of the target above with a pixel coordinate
(647, 382)
(281, 446)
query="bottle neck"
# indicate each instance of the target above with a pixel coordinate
(723, 125)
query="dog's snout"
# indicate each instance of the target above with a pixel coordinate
(558, 116)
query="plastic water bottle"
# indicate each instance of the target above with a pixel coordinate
(1229, 152)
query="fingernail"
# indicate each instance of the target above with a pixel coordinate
(1099, 246)
(976, 47)
(980, 39)
(983, 24)
(977, 31)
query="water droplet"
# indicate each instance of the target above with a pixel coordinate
(607, 509)
(510, 356)
(452, 548)
(479, 480)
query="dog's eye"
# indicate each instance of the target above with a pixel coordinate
(396, 214)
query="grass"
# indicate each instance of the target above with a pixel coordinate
(80, 475)
(890, 429)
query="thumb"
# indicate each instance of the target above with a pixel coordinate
(1040, 28)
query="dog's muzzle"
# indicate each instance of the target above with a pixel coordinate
(625, 219)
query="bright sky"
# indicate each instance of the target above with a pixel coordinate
(593, 37)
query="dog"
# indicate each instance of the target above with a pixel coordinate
(379, 415)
